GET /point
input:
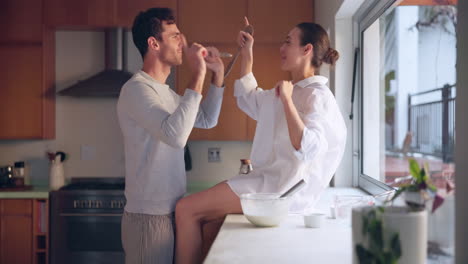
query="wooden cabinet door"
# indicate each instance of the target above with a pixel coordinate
(272, 19)
(126, 10)
(21, 21)
(23, 99)
(217, 21)
(232, 122)
(79, 14)
(16, 231)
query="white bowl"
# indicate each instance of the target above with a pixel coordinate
(264, 209)
(313, 220)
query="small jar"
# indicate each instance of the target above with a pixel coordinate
(18, 170)
(246, 166)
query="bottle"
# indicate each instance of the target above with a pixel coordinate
(18, 174)
(246, 166)
(56, 176)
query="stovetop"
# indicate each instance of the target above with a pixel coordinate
(95, 184)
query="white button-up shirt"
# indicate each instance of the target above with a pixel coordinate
(277, 166)
(156, 123)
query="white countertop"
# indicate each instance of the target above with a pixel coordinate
(240, 242)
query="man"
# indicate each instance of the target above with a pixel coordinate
(155, 124)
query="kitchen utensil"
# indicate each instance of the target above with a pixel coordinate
(223, 54)
(294, 189)
(264, 209)
(249, 29)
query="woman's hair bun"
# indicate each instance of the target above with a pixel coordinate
(331, 56)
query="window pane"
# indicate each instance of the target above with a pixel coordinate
(409, 92)
(408, 102)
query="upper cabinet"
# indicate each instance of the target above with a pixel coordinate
(273, 19)
(232, 122)
(127, 10)
(217, 23)
(27, 110)
(79, 14)
(211, 20)
(20, 21)
(27, 72)
(92, 14)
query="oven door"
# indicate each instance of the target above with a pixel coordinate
(85, 227)
(87, 238)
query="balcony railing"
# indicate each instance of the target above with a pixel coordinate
(431, 119)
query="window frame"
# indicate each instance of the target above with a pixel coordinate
(369, 12)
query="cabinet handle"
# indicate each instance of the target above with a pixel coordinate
(64, 214)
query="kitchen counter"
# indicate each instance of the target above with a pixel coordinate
(37, 192)
(240, 242)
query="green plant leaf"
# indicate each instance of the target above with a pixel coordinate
(426, 169)
(365, 225)
(395, 245)
(376, 234)
(364, 255)
(423, 176)
(414, 169)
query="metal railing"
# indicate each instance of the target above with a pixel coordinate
(432, 122)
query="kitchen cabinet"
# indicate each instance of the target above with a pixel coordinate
(27, 72)
(23, 231)
(232, 122)
(216, 21)
(126, 11)
(273, 19)
(20, 21)
(27, 110)
(79, 14)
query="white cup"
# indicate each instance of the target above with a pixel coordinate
(313, 220)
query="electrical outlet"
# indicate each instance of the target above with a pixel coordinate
(88, 152)
(214, 154)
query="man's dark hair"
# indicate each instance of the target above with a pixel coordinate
(149, 24)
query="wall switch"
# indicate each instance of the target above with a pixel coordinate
(88, 152)
(214, 154)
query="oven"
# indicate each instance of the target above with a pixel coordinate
(85, 222)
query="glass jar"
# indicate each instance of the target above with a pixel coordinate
(246, 166)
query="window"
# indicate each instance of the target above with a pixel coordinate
(407, 94)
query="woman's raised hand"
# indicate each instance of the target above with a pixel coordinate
(245, 41)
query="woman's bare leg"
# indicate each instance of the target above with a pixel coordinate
(196, 209)
(209, 232)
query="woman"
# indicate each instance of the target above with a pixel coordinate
(300, 135)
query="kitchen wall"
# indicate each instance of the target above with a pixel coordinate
(336, 18)
(87, 128)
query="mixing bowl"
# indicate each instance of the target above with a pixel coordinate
(264, 209)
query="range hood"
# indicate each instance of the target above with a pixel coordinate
(108, 82)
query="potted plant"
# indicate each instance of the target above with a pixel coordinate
(420, 189)
(397, 234)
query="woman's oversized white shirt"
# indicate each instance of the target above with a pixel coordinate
(277, 166)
